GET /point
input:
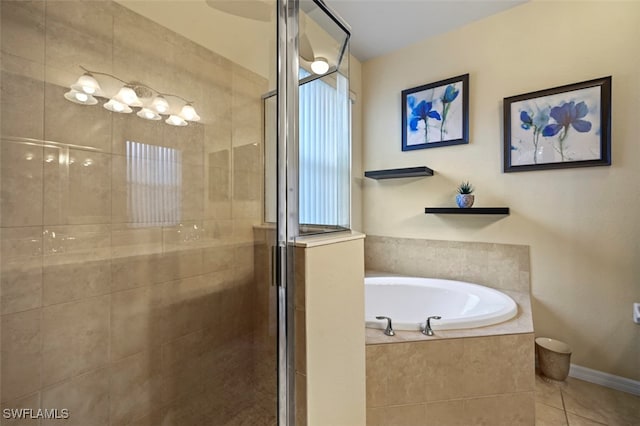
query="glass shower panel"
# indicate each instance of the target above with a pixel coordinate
(135, 283)
(323, 38)
(324, 142)
(324, 110)
(324, 152)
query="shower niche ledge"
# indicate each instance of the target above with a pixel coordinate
(405, 172)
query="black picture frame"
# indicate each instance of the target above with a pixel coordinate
(562, 127)
(437, 108)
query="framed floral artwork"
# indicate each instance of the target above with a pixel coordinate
(436, 114)
(566, 126)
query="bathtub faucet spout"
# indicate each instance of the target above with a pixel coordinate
(427, 327)
(389, 330)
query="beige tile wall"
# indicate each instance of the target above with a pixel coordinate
(122, 322)
(502, 266)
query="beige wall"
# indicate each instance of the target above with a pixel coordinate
(117, 319)
(355, 82)
(580, 223)
(334, 355)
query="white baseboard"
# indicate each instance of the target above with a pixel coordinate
(605, 379)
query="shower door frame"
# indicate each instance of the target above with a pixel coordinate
(287, 212)
(287, 228)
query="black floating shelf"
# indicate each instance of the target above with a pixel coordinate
(399, 173)
(469, 210)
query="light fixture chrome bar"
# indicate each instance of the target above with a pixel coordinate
(86, 89)
(136, 84)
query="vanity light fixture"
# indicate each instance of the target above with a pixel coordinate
(128, 96)
(160, 104)
(320, 65)
(152, 103)
(80, 97)
(175, 120)
(148, 114)
(115, 105)
(189, 113)
(86, 83)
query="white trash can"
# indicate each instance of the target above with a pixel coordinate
(554, 358)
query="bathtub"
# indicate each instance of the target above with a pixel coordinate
(408, 301)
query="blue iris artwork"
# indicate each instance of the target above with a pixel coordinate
(567, 115)
(536, 121)
(421, 112)
(556, 128)
(434, 115)
(450, 95)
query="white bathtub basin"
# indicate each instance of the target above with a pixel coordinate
(408, 301)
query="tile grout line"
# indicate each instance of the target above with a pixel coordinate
(564, 407)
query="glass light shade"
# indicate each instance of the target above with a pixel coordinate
(128, 96)
(87, 84)
(320, 66)
(115, 105)
(189, 113)
(148, 114)
(80, 98)
(175, 120)
(160, 104)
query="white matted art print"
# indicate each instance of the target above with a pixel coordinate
(566, 126)
(436, 114)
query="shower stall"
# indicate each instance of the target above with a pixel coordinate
(142, 280)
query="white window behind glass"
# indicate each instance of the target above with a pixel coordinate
(324, 153)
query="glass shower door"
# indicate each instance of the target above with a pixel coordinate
(134, 285)
(311, 40)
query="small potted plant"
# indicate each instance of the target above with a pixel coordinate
(465, 195)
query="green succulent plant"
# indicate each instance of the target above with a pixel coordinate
(465, 188)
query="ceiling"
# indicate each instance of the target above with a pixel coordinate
(377, 26)
(382, 26)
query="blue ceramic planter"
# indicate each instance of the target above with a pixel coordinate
(464, 200)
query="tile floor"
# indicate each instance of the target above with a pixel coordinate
(579, 403)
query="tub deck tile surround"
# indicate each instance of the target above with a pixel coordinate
(461, 377)
(521, 323)
(461, 412)
(463, 381)
(449, 369)
(500, 266)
